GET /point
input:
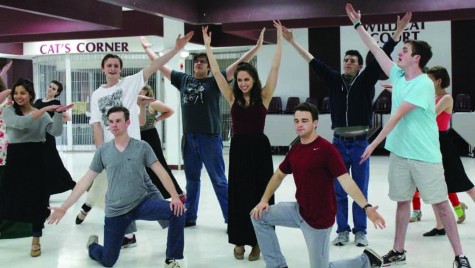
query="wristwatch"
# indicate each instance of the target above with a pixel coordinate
(367, 206)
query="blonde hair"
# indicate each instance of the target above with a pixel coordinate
(149, 90)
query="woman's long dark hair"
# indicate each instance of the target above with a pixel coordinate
(28, 85)
(256, 90)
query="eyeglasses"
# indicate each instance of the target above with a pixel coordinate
(200, 61)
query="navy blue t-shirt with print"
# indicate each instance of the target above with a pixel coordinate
(199, 103)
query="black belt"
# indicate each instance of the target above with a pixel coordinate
(358, 137)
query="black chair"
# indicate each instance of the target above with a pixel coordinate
(312, 101)
(383, 105)
(275, 106)
(291, 103)
(463, 103)
(325, 109)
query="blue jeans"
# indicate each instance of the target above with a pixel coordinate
(351, 153)
(149, 210)
(207, 149)
(317, 240)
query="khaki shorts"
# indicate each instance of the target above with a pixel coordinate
(405, 175)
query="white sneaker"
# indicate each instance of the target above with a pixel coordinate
(92, 239)
(172, 264)
(342, 239)
(360, 239)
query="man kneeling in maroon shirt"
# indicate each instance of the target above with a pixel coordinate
(315, 163)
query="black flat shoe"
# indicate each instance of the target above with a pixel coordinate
(190, 223)
(83, 215)
(435, 232)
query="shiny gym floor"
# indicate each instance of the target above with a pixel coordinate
(206, 245)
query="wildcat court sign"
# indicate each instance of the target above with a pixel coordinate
(382, 32)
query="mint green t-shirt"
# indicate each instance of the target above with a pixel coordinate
(416, 135)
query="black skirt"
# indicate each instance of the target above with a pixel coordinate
(455, 176)
(59, 180)
(23, 195)
(151, 137)
(250, 169)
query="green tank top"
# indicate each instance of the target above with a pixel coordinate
(149, 120)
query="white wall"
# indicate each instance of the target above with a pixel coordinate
(293, 73)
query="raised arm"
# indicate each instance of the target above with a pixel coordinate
(158, 63)
(401, 24)
(39, 112)
(223, 85)
(384, 61)
(6, 68)
(56, 128)
(164, 110)
(246, 57)
(82, 185)
(22, 122)
(271, 83)
(153, 56)
(289, 36)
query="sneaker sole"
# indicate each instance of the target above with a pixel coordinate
(129, 245)
(394, 263)
(370, 250)
(340, 244)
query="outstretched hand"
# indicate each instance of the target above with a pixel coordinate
(182, 41)
(260, 41)
(287, 34)
(58, 108)
(145, 43)
(367, 153)
(206, 36)
(56, 215)
(63, 108)
(375, 217)
(352, 14)
(402, 23)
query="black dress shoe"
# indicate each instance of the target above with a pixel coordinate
(435, 232)
(190, 223)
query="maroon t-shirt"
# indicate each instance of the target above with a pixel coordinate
(315, 166)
